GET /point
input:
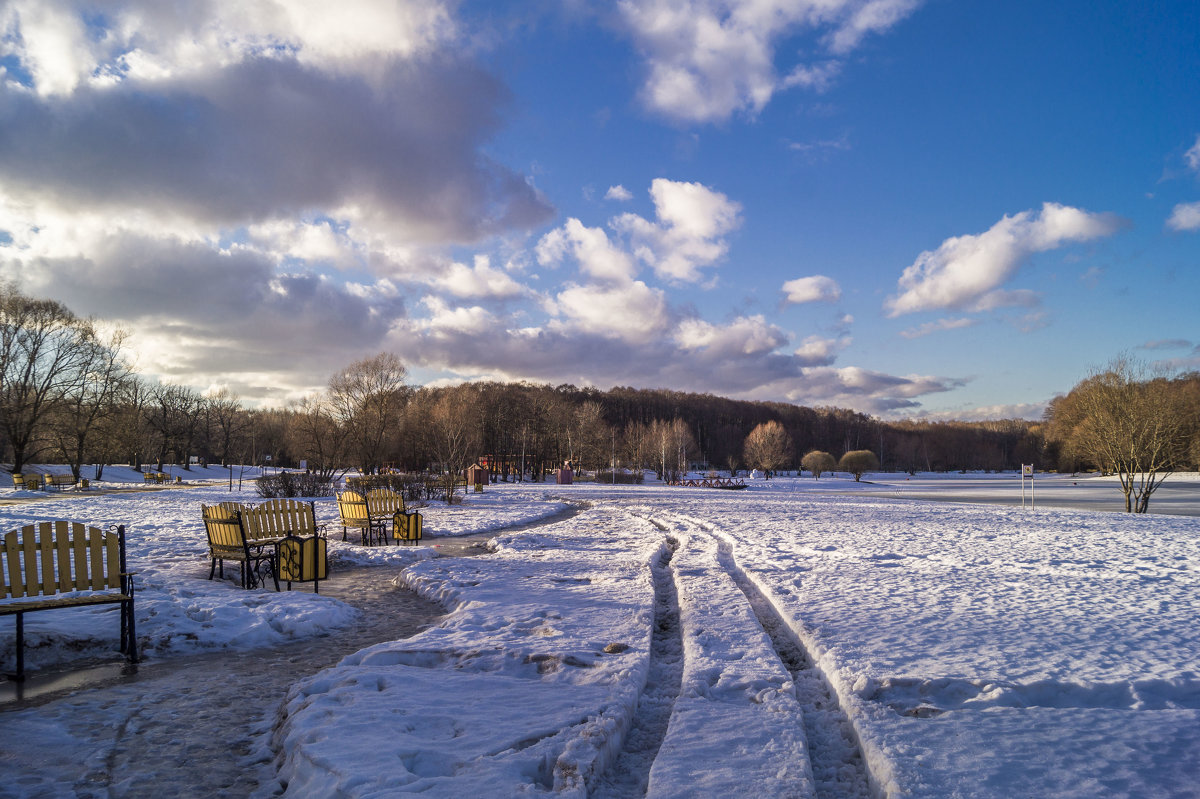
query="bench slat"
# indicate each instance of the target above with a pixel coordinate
(62, 551)
(30, 585)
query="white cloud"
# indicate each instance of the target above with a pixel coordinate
(481, 280)
(1185, 217)
(966, 272)
(206, 109)
(689, 234)
(1033, 411)
(445, 320)
(65, 44)
(816, 288)
(1192, 156)
(618, 193)
(632, 311)
(709, 59)
(751, 335)
(596, 255)
(937, 327)
(305, 240)
(821, 351)
(873, 16)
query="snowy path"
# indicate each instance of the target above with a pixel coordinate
(197, 726)
(837, 763)
(629, 775)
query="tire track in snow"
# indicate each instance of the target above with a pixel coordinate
(839, 769)
(629, 774)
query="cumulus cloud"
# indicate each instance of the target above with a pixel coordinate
(64, 45)
(966, 272)
(709, 59)
(821, 351)
(1033, 411)
(629, 311)
(201, 173)
(689, 234)
(1185, 217)
(816, 288)
(590, 247)
(480, 280)
(751, 335)
(938, 326)
(618, 193)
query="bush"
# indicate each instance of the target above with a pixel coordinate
(293, 484)
(622, 478)
(858, 462)
(817, 462)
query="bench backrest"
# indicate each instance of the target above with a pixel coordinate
(223, 526)
(276, 518)
(352, 507)
(383, 502)
(52, 557)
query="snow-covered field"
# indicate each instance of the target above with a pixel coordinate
(799, 638)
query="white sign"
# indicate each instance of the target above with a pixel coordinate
(1027, 470)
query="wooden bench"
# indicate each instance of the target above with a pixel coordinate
(371, 514)
(280, 537)
(41, 564)
(353, 511)
(57, 481)
(383, 503)
(31, 482)
(290, 526)
(227, 541)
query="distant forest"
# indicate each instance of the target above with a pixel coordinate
(67, 396)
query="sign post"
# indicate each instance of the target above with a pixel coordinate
(1027, 471)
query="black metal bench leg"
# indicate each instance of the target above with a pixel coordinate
(20, 675)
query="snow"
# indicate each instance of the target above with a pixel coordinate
(798, 638)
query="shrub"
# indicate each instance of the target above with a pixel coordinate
(622, 478)
(857, 462)
(817, 462)
(293, 484)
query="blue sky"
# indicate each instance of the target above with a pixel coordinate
(935, 209)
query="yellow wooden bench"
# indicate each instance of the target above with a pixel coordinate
(60, 480)
(38, 563)
(371, 514)
(31, 482)
(384, 503)
(291, 527)
(227, 541)
(280, 536)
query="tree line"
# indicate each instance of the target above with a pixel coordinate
(68, 395)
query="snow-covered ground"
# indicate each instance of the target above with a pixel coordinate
(798, 638)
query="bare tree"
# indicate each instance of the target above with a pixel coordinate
(769, 447)
(44, 351)
(83, 411)
(672, 445)
(175, 412)
(818, 461)
(592, 435)
(368, 398)
(317, 438)
(858, 462)
(228, 424)
(1130, 422)
(452, 428)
